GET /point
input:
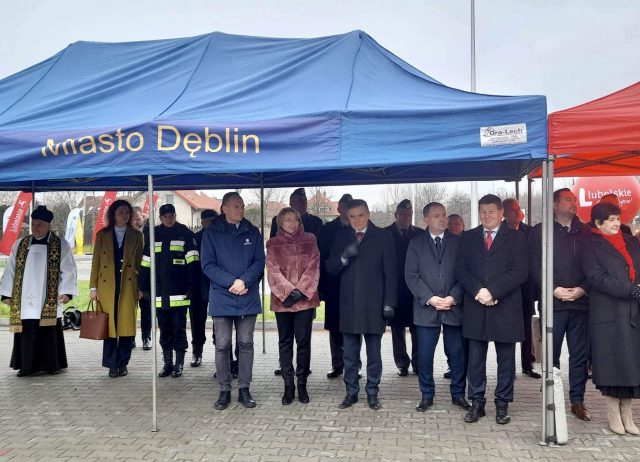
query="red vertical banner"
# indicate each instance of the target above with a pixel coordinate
(14, 225)
(101, 220)
(145, 209)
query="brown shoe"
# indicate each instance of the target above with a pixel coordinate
(580, 411)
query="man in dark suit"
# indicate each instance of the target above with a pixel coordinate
(364, 256)
(298, 200)
(492, 264)
(402, 232)
(430, 275)
(513, 216)
(329, 287)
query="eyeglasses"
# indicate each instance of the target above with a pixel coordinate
(291, 220)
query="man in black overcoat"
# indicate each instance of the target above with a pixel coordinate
(364, 256)
(513, 216)
(329, 286)
(402, 232)
(492, 265)
(298, 200)
(430, 275)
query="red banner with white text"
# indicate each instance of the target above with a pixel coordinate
(145, 209)
(14, 225)
(101, 220)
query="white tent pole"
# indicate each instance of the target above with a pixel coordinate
(543, 301)
(529, 202)
(474, 184)
(264, 335)
(548, 273)
(152, 302)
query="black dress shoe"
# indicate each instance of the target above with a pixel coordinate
(277, 372)
(146, 344)
(113, 372)
(334, 373)
(424, 404)
(289, 394)
(374, 402)
(403, 371)
(348, 401)
(303, 396)
(461, 402)
(474, 413)
(122, 371)
(532, 373)
(196, 360)
(244, 398)
(21, 374)
(502, 415)
(223, 400)
(447, 375)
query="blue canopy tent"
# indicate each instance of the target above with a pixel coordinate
(226, 111)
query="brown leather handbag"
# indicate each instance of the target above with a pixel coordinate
(95, 323)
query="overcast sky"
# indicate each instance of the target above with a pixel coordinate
(570, 51)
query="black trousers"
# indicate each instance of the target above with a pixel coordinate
(352, 347)
(145, 318)
(526, 355)
(399, 342)
(295, 325)
(116, 352)
(477, 371)
(173, 328)
(198, 319)
(336, 345)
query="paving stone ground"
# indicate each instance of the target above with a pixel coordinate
(82, 414)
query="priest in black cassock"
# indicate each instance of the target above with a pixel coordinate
(39, 278)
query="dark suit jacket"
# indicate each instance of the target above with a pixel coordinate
(368, 281)
(501, 270)
(329, 287)
(404, 311)
(529, 286)
(312, 224)
(427, 276)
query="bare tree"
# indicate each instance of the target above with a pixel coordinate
(419, 195)
(273, 199)
(460, 203)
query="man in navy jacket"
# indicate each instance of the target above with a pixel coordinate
(233, 259)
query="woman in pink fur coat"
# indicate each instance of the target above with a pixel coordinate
(293, 271)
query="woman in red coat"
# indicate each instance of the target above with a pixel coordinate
(293, 266)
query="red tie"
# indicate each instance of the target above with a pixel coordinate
(489, 240)
(359, 236)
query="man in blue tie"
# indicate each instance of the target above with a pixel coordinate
(492, 265)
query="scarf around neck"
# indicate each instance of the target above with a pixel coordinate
(617, 241)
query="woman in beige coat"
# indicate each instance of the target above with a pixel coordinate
(114, 283)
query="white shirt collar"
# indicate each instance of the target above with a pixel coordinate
(433, 236)
(494, 230)
(362, 231)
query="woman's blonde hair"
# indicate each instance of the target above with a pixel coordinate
(283, 212)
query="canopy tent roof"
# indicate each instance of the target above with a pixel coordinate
(225, 111)
(598, 138)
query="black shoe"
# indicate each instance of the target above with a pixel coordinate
(244, 398)
(348, 401)
(502, 415)
(334, 373)
(403, 371)
(146, 344)
(122, 371)
(277, 372)
(167, 357)
(424, 404)
(113, 372)
(461, 402)
(447, 375)
(179, 366)
(532, 373)
(374, 402)
(289, 394)
(196, 360)
(21, 374)
(474, 413)
(223, 400)
(303, 396)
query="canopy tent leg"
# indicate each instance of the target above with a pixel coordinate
(529, 201)
(152, 302)
(264, 335)
(518, 190)
(548, 408)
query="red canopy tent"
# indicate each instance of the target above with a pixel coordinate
(598, 138)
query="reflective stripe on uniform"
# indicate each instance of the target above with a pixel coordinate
(176, 246)
(146, 261)
(192, 256)
(158, 246)
(174, 301)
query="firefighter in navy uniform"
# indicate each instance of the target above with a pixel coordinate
(177, 263)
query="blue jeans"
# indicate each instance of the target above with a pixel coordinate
(574, 324)
(427, 340)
